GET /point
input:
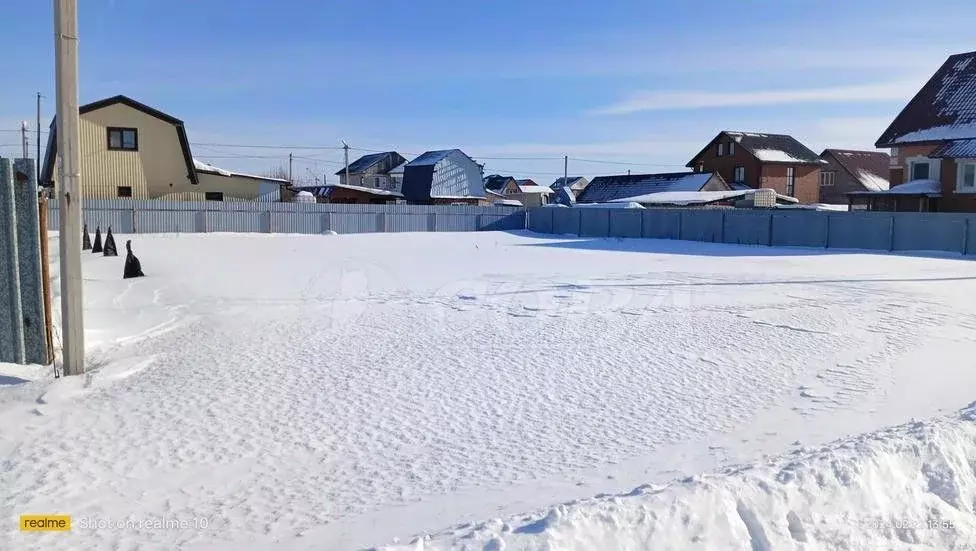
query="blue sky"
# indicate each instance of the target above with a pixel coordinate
(641, 85)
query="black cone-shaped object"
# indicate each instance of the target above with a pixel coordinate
(85, 239)
(97, 245)
(132, 266)
(109, 248)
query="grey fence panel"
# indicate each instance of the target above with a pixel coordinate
(970, 235)
(11, 313)
(302, 222)
(798, 229)
(507, 222)
(163, 221)
(353, 223)
(860, 231)
(747, 227)
(119, 220)
(928, 232)
(405, 222)
(456, 222)
(234, 222)
(701, 225)
(625, 223)
(566, 221)
(661, 223)
(542, 219)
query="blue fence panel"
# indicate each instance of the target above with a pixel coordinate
(866, 230)
(746, 227)
(661, 223)
(626, 222)
(594, 222)
(701, 225)
(507, 222)
(929, 232)
(353, 223)
(566, 221)
(542, 219)
(970, 234)
(456, 222)
(799, 229)
(405, 222)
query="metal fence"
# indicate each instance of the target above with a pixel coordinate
(159, 216)
(889, 231)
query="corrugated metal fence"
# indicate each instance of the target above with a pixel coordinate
(889, 231)
(159, 216)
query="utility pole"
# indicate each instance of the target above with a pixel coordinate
(290, 180)
(565, 170)
(38, 137)
(345, 151)
(24, 128)
(69, 196)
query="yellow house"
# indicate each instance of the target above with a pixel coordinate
(129, 149)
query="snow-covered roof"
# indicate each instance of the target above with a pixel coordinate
(604, 189)
(576, 183)
(871, 181)
(768, 148)
(529, 188)
(931, 188)
(815, 206)
(956, 149)
(430, 157)
(776, 156)
(686, 197)
(508, 203)
(391, 158)
(611, 205)
(370, 190)
(944, 109)
(208, 168)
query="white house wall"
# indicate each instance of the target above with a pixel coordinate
(457, 176)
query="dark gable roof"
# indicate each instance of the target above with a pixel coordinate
(47, 172)
(610, 188)
(496, 182)
(526, 182)
(944, 109)
(768, 148)
(568, 182)
(367, 161)
(855, 162)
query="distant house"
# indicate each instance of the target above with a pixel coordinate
(372, 178)
(624, 187)
(443, 177)
(528, 192)
(576, 183)
(500, 199)
(771, 161)
(372, 171)
(848, 171)
(933, 146)
(129, 149)
(497, 182)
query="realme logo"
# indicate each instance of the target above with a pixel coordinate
(45, 523)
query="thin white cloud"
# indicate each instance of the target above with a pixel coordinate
(901, 90)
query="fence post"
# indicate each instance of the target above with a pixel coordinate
(11, 315)
(432, 222)
(326, 222)
(42, 212)
(201, 221)
(478, 222)
(722, 231)
(770, 229)
(827, 231)
(891, 234)
(965, 236)
(266, 220)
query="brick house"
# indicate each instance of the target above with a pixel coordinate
(772, 161)
(847, 171)
(933, 145)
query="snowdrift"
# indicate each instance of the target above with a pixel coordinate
(909, 486)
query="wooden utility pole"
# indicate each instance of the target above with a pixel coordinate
(565, 170)
(38, 137)
(46, 278)
(69, 196)
(345, 151)
(24, 128)
(290, 179)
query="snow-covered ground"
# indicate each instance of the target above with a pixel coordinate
(330, 392)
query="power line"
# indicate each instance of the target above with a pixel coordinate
(621, 162)
(255, 146)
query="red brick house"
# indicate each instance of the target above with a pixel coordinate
(933, 145)
(847, 171)
(754, 160)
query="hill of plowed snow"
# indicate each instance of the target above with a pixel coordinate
(310, 392)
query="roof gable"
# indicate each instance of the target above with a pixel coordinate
(604, 189)
(392, 158)
(943, 109)
(767, 148)
(47, 172)
(869, 168)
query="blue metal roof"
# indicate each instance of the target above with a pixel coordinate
(956, 149)
(367, 161)
(431, 157)
(610, 188)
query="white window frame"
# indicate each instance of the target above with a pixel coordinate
(827, 178)
(735, 174)
(721, 149)
(960, 166)
(731, 148)
(934, 166)
(791, 181)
